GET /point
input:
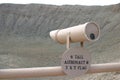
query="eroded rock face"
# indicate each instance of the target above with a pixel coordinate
(116, 8)
(39, 19)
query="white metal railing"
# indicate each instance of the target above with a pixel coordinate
(54, 71)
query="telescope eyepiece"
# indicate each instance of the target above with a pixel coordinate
(92, 36)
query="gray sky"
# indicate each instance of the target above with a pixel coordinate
(64, 2)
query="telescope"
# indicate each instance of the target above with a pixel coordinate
(89, 31)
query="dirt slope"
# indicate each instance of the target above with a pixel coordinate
(24, 35)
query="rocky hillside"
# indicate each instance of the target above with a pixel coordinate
(38, 19)
(26, 21)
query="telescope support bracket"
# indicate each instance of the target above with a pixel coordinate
(68, 40)
(82, 44)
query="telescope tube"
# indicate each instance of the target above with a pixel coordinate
(84, 32)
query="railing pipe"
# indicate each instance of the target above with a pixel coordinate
(54, 71)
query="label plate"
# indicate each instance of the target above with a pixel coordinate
(76, 61)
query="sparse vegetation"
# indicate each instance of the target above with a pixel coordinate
(24, 31)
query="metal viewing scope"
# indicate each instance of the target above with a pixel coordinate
(89, 31)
